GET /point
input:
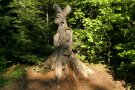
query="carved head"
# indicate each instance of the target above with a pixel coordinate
(61, 14)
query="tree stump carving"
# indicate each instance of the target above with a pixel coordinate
(63, 57)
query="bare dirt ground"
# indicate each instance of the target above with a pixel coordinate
(100, 80)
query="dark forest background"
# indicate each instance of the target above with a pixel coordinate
(104, 32)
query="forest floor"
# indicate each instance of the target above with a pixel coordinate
(102, 79)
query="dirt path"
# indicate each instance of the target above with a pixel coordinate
(101, 80)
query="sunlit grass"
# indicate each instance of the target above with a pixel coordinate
(8, 75)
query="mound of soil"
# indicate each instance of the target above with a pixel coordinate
(34, 80)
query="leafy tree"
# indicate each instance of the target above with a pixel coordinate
(103, 32)
(5, 31)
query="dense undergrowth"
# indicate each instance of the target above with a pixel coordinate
(15, 72)
(104, 32)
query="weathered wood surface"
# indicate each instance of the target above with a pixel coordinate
(63, 57)
(81, 67)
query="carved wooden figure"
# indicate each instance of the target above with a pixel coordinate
(62, 40)
(63, 59)
(63, 37)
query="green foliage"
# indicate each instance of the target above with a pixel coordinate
(3, 62)
(15, 72)
(104, 31)
(24, 32)
(31, 58)
(126, 71)
(3, 81)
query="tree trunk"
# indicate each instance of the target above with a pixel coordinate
(63, 59)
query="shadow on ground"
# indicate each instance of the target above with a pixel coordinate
(100, 80)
